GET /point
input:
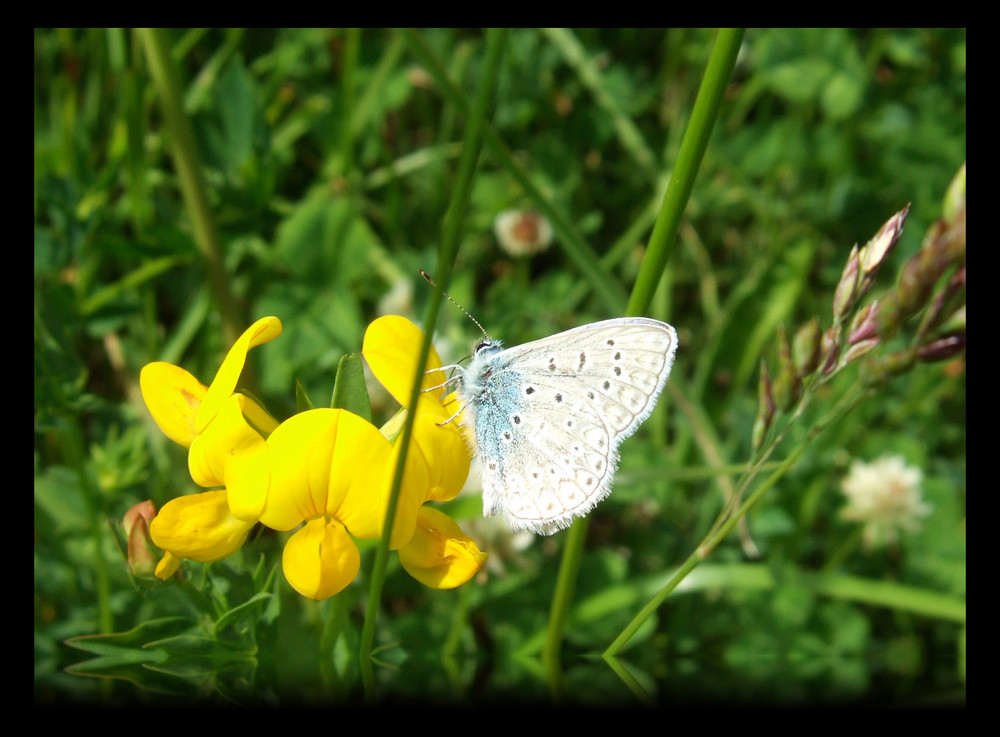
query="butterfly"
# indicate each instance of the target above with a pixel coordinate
(547, 417)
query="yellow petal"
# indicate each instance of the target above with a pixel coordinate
(442, 445)
(227, 448)
(321, 559)
(300, 453)
(167, 566)
(365, 507)
(265, 329)
(440, 555)
(259, 417)
(247, 465)
(173, 397)
(199, 527)
(391, 348)
(332, 462)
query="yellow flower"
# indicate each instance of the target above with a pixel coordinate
(224, 433)
(198, 527)
(326, 471)
(181, 405)
(438, 554)
(333, 470)
(391, 346)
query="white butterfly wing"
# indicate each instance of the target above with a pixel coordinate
(549, 449)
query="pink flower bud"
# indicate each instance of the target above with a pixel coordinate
(142, 556)
(847, 287)
(864, 326)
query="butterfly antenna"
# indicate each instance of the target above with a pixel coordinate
(430, 281)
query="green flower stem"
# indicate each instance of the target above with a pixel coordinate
(348, 81)
(333, 626)
(700, 553)
(495, 39)
(692, 149)
(721, 531)
(562, 598)
(568, 235)
(188, 163)
(450, 656)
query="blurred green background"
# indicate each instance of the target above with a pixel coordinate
(329, 157)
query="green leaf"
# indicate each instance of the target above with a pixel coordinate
(350, 391)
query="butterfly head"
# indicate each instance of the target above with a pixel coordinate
(486, 347)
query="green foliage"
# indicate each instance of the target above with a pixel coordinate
(329, 158)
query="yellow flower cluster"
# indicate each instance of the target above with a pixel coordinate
(325, 473)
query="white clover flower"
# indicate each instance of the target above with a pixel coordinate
(522, 232)
(885, 496)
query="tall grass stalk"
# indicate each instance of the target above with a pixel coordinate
(692, 150)
(472, 146)
(192, 182)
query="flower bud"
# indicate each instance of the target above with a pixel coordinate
(787, 385)
(142, 557)
(947, 302)
(806, 348)
(878, 248)
(864, 326)
(862, 348)
(954, 199)
(876, 370)
(847, 287)
(942, 348)
(830, 350)
(765, 408)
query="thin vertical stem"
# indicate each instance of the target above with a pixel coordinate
(449, 248)
(689, 157)
(692, 149)
(192, 184)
